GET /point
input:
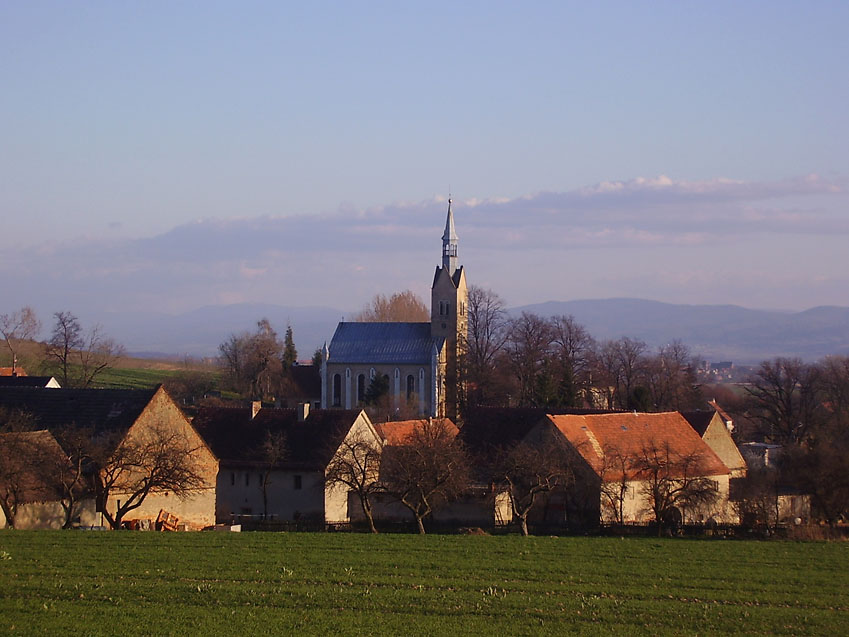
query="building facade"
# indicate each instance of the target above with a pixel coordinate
(418, 362)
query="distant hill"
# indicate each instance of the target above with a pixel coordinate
(715, 332)
(199, 332)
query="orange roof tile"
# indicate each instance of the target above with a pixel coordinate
(629, 433)
(398, 432)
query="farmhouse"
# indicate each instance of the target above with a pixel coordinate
(273, 462)
(644, 464)
(131, 425)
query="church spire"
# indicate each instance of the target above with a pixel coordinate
(449, 243)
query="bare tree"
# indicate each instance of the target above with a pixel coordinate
(756, 498)
(427, 471)
(482, 346)
(528, 471)
(403, 307)
(134, 467)
(22, 325)
(572, 348)
(671, 380)
(79, 357)
(272, 452)
(70, 473)
(673, 482)
(252, 362)
(528, 349)
(66, 339)
(355, 465)
(785, 399)
(98, 354)
(613, 472)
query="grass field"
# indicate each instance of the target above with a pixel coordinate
(100, 583)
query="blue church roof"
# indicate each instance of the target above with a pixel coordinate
(377, 343)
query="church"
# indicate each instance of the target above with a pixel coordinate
(420, 360)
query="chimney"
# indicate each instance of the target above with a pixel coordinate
(256, 405)
(303, 411)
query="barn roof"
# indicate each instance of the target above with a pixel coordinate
(397, 432)
(25, 381)
(699, 419)
(382, 343)
(629, 434)
(485, 428)
(236, 439)
(101, 409)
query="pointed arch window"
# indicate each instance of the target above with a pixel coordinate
(361, 388)
(411, 387)
(337, 390)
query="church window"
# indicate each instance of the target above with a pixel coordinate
(247, 479)
(411, 386)
(298, 482)
(337, 390)
(361, 388)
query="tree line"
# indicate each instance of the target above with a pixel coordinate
(554, 362)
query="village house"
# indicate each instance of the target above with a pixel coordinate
(714, 430)
(478, 506)
(628, 457)
(273, 462)
(127, 420)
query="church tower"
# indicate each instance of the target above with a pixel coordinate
(448, 318)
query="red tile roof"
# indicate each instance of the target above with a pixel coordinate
(398, 432)
(629, 434)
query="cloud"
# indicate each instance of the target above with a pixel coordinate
(342, 258)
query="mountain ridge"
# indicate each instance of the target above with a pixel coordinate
(714, 332)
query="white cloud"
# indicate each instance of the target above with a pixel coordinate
(343, 258)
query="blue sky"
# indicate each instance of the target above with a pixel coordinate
(183, 154)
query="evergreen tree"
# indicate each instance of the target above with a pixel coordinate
(290, 354)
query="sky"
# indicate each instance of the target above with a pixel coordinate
(170, 156)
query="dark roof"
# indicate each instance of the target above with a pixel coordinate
(376, 343)
(455, 278)
(25, 381)
(699, 419)
(306, 380)
(101, 409)
(485, 428)
(237, 440)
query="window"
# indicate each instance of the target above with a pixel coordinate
(298, 482)
(361, 388)
(247, 479)
(411, 386)
(232, 478)
(337, 390)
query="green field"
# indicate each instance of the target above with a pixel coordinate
(101, 583)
